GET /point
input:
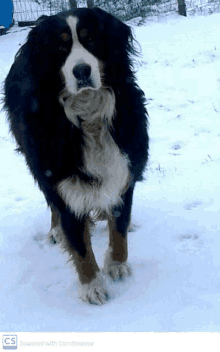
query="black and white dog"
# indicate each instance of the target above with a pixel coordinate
(79, 118)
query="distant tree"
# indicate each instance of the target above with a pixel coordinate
(73, 4)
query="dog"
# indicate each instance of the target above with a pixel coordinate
(80, 119)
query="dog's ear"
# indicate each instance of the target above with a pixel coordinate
(121, 32)
(112, 23)
(41, 19)
(116, 28)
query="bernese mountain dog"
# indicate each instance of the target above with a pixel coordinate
(79, 118)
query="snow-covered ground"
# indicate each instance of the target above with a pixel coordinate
(174, 251)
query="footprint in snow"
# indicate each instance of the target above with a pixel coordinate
(189, 242)
(19, 199)
(193, 205)
(39, 239)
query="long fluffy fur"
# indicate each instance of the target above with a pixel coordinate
(79, 118)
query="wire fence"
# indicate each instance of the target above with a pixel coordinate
(202, 7)
(31, 10)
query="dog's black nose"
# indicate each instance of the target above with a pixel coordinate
(82, 71)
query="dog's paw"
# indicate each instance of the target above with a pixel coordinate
(116, 270)
(55, 235)
(94, 292)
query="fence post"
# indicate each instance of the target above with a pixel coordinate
(181, 7)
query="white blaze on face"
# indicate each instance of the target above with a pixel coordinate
(79, 55)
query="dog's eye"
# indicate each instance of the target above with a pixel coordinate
(65, 37)
(83, 33)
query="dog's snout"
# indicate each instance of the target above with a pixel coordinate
(82, 71)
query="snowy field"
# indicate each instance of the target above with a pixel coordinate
(174, 250)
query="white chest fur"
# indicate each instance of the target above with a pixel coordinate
(102, 159)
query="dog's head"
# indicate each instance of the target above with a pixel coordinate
(86, 46)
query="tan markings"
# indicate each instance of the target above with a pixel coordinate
(65, 37)
(118, 243)
(92, 287)
(83, 33)
(115, 261)
(56, 233)
(55, 217)
(87, 267)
